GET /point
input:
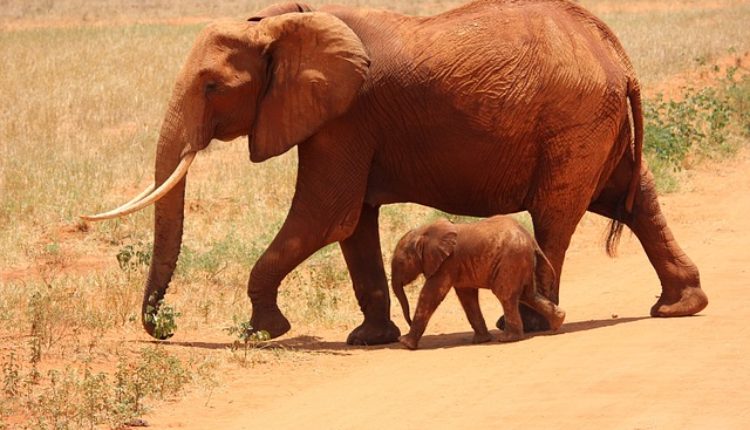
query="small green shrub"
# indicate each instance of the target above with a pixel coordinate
(244, 332)
(247, 339)
(134, 257)
(164, 320)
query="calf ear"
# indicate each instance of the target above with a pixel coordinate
(435, 245)
(316, 68)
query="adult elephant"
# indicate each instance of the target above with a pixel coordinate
(493, 107)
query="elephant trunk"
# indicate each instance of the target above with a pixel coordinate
(168, 218)
(398, 290)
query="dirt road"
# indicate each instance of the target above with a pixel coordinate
(610, 367)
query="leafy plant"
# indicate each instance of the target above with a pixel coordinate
(243, 331)
(247, 337)
(133, 257)
(164, 319)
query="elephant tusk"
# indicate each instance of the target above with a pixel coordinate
(148, 196)
(150, 189)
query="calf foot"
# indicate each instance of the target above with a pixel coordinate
(509, 337)
(532, 321)
(409, 341)
(556, 319)
(481, 338)
(369, 333)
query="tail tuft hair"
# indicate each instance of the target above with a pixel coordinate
(613, 237)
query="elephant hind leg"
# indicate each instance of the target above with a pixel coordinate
(554, 314)
(681, 286)
(513, 329)
(365, 262)
(680, 280)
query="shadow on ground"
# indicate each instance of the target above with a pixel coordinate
(319, 345)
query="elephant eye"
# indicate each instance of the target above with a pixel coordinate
(211, 87)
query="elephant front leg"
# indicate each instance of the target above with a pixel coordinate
(325, 209)
(290, 248)
(365, 262)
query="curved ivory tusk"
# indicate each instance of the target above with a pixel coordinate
(150, 189)
(140, 202)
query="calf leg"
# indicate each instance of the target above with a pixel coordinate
(469, 298)
(432, 294)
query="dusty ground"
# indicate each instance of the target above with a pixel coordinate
(611, 366)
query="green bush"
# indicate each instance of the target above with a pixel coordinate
(700, 124)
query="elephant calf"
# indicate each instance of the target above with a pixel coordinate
(495, 253)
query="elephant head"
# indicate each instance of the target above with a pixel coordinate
(422, 250)
(276, 79)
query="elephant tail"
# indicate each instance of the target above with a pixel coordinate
(615, 227)
(544, 275)
(634, 95)
(398, 290)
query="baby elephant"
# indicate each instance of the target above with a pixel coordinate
(495, 253)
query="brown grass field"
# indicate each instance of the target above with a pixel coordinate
(84, 86)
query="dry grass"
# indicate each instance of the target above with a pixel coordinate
(81, 109)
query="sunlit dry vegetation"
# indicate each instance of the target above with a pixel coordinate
(84, 88)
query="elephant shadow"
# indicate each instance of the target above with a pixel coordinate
(443, 340)
(305, 343)
(318, 345)
(463, 339)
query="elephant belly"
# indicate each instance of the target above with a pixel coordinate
(463, 176)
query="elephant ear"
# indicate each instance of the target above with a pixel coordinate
(316, 68)
(436, 244)
(280, 9)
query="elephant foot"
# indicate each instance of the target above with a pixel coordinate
(532, 321)
(481, 338)
(509, 337)
(374, 334)
(409, 341)
(680, 303)
(270, 320)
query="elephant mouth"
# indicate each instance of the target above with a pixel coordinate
(148, 196)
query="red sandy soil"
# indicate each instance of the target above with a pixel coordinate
(611, 366)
